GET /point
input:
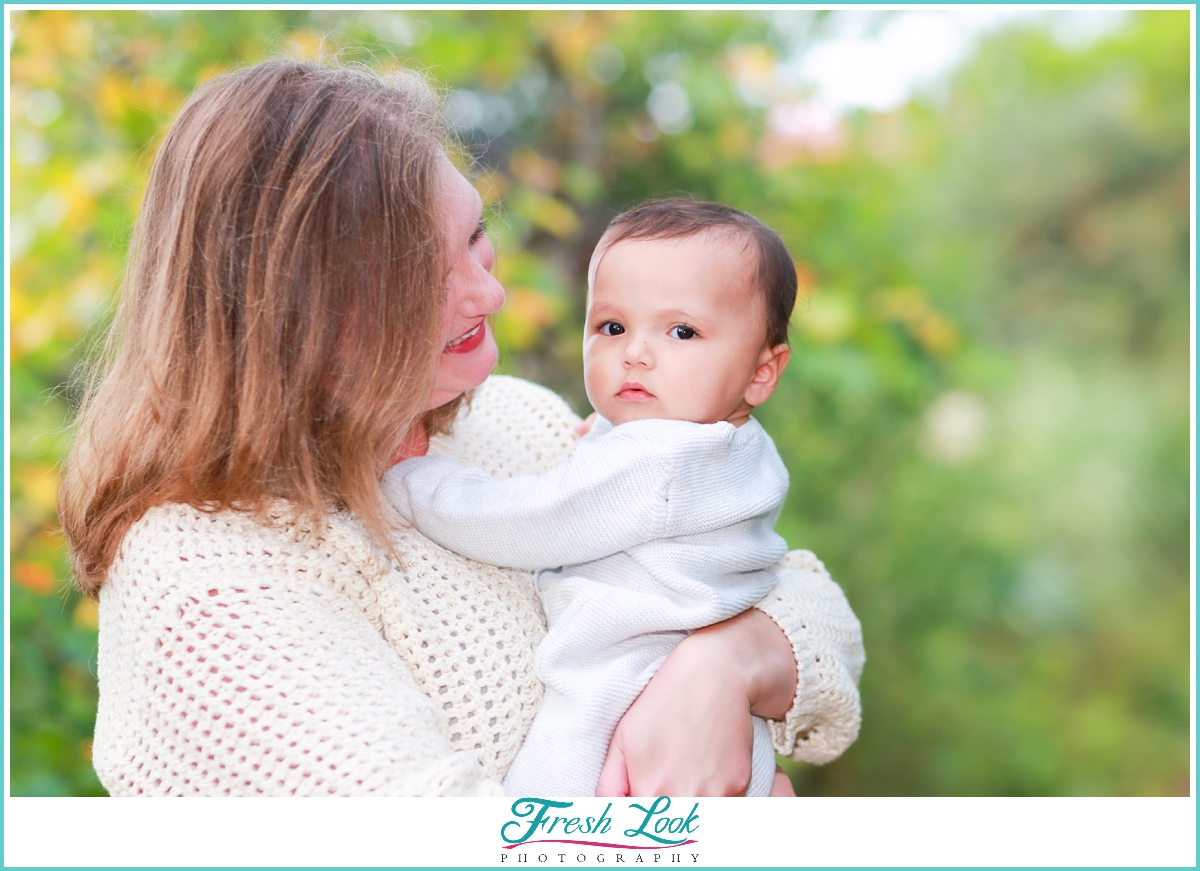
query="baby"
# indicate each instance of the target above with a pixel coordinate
(662, 520)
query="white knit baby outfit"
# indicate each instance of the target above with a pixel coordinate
(241, 658)
(650, 530)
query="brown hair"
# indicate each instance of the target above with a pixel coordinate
(679, 217)
(277, 330)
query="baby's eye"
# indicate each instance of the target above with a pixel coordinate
(611, 328)
(682, 331)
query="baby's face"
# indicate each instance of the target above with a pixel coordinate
(675, 329)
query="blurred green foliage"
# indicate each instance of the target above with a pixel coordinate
(986, 417)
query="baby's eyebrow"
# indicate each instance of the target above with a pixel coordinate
(681, 315)
(602, 310)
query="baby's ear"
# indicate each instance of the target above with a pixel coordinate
(771, 363)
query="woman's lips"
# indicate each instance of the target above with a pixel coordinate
(634, 392)
(468, 342)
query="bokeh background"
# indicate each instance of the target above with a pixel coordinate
(986, 417)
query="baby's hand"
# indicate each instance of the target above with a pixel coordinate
(584, 426)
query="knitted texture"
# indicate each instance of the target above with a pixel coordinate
(827, 643)
(240, 658)
(660, 527)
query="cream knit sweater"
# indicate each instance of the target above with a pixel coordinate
(243, 659)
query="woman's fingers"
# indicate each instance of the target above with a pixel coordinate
(614, 776)
(781, 786)
(584, 426)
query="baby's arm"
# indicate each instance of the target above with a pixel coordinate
(632, 485)
(528, 522)
(610, 495)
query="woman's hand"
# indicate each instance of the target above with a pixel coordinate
(583, 427)
(689, 732)
(781, 786)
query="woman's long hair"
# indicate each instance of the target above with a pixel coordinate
(277, 332)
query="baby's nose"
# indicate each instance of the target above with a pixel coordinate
(637, 351)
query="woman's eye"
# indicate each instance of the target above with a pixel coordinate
(480, 232)
(611, 328)
(683, 332)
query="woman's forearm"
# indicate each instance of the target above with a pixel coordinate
(761, 656)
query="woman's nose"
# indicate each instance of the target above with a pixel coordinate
(486, 296)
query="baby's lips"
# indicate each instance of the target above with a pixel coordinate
(634, 391)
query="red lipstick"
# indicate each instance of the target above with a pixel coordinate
(469, 341)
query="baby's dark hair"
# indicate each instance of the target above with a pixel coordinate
(679, 217)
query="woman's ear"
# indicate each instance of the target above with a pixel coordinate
(771, 363)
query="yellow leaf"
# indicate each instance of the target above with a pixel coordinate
(547, 213)
(826, 318)
(87, 614)
(733, 138)
(530, 167)
(39, 488)
(752, 66)
(931, 330)
(305, 45)
(937, 335)
(112, 95)
(491, 185)
(35, 576)
(572, 35)
(30, 333)
(525, 314)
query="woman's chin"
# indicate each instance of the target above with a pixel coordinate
(459, 373)
(481, 363)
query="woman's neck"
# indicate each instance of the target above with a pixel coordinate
(415, 444)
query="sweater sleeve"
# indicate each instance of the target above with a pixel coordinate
(242, 686)
(826, 640)
(642, 481)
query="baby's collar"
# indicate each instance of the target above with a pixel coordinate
(601, 426)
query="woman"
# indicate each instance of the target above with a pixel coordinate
(306, 304)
